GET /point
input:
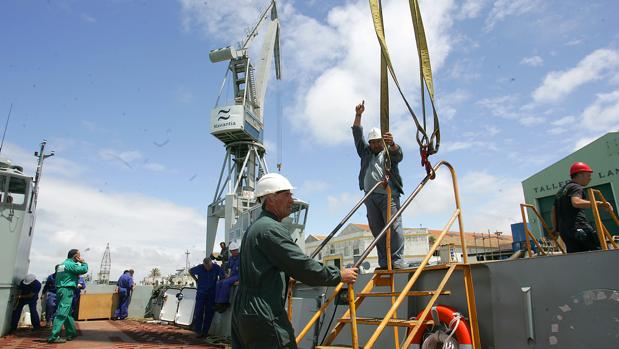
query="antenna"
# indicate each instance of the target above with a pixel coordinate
(6, 126)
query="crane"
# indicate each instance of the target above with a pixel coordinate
(239, 124)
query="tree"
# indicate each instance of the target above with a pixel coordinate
(155, 273)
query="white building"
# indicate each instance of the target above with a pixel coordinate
(346, 248)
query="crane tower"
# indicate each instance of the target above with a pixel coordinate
(239, 124)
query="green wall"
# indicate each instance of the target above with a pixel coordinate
(602, 155)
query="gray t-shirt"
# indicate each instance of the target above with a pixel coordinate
(375, 173)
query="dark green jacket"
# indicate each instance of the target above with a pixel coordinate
(268, 258)
(68, 273)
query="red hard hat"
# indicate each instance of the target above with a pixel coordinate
(579, 167)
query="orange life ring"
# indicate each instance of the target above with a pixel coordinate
(446, 315)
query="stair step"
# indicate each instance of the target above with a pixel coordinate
(378, 320)
(412, 270)
(383, 280)
(409, 294)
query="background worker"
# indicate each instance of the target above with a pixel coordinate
(67, 275)
(223, 256)
(568, 216)
(49, 292)
(124, 286)
(81, 286)
(206, 276)
(28, 294)
(269, 258)
(373, 161)
(222, 290)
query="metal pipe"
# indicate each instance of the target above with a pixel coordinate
(397, 215)
(343, 221)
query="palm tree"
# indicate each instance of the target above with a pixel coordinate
(155, 272)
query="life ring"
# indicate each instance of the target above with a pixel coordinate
(447, 316)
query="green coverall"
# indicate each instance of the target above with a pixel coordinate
(67, 277)
(268, 258)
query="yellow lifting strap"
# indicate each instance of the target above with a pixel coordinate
(428, 144)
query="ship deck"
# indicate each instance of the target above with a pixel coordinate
(105, 334)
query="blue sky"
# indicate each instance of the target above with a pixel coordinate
(122, 90)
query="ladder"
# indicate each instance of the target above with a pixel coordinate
(386, 278)
(529, 235)
(603, 233)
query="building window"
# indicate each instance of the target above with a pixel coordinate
(356, 248)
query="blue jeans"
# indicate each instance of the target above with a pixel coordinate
(203, 311)
(34, 315)
(124, 298)
(376, 206)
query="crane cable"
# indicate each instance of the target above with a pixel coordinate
(428, 145)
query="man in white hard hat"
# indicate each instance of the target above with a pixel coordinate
(373, 169)
(269, 258)
(28, 294)
(222, 290)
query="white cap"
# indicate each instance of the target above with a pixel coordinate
(374, 134)
(272, 183)
(29, 279)
(234, 245)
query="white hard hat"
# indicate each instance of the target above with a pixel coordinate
(272, 183)
(234, 245)
(374, 134)
(29, 279)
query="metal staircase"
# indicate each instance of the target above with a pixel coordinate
(386, 278)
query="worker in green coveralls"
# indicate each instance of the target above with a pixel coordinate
(67, 276)
(269, 258)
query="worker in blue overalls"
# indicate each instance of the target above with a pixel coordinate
(81, 285)
(206, 276)
(222, 291)
(49, 292)
(28, 294)
(124, 286)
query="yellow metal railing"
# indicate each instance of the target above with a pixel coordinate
(378, 279)
(529, 236)
(603, 233)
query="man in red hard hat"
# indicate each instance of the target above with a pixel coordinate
(568, 216)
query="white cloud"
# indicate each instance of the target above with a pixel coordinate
(603, 114)
(127, 157)
(310, 187)
(583, 142)
(506, 8)
(488, 202)
(143, 232)
(471, 8)
(534, 61)
(221, 19)
(448, 147)
(531, 120)
(334, 63)
(336, 202)
(88, 18)
(155, 167)
(55, 165)
(502, 106)
(596, 66)
(564, 121)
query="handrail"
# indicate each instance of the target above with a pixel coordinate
(396, 215)
(344, 220)
(530, 236)
(327, 239)
(363, 256)
(601, 229)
